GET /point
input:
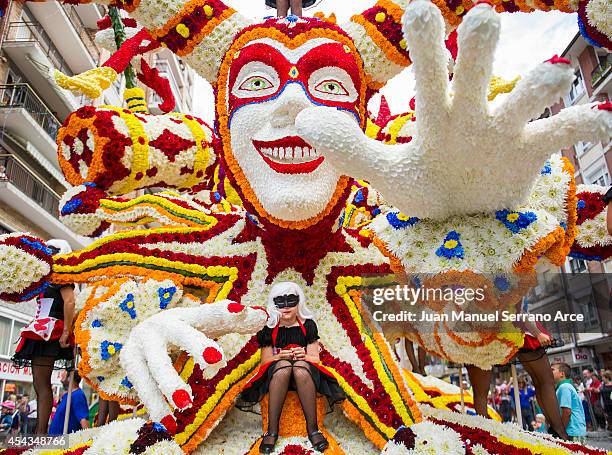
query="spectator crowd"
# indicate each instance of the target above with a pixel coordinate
(585, 400)
(19, 413)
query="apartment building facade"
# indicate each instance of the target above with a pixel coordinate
(582, 287)
(36, 38)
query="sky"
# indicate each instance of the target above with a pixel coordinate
(526, 40)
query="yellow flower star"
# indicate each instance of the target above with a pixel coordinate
(512, 217)
(450, 244)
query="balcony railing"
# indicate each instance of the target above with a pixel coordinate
(601, 71)
(13, 170)
(82, 31)
(22, 96)
(33, 32)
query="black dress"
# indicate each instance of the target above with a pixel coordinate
(30, 348)
(281, 337)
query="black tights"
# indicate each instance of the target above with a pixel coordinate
(282, 374)
(42, 368)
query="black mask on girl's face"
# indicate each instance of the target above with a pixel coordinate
(289, 301)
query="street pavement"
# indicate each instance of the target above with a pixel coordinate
(600, 439)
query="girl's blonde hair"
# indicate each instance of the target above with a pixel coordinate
(285, 288)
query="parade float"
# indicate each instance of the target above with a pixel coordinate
(294, 182)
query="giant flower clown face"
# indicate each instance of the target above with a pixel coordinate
(272, 73)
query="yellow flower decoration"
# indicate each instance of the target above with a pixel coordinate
(512, 217)
(135, 100)
(380, 17)
(91, 83)
(498, 85)
(182, 30)
(450, 244)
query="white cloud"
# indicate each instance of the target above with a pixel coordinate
(526, 40)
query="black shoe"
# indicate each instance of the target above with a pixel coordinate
(322, 443)
(268, 448)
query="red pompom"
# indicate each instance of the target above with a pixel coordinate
(235, 307)
(556, 59)
(181, 398)
(212, 355)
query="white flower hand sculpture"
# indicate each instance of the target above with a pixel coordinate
(465, 157)
(149, 367)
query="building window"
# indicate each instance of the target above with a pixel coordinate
(5, 335)
(602, 70)
(583, 147)
(577, 265)
(600, 177)
(591, 318)
(577, 87)
(17, 326)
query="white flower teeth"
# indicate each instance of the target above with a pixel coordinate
(292, 154)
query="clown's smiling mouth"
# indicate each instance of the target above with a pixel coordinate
(289, 155)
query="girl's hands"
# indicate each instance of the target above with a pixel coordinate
(285, 354)
(298, 353)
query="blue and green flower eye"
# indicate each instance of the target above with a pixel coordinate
(331, 87)
(255, 84)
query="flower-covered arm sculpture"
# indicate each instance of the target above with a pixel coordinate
(145, 354)
(465, 157)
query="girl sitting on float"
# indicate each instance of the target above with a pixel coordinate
(290, 361)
